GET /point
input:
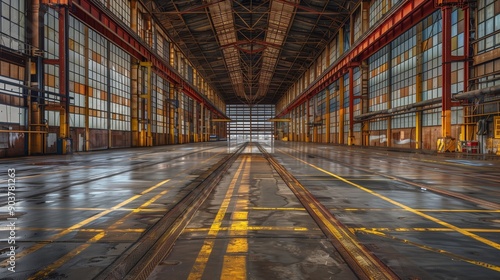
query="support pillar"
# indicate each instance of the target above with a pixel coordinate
(36, 143)
(327, 115)
(64, 77)
(350, 140)
(365, 126)
(446, 72)
(467, 63)
(133, 15)
(134, 103)
(341, 113)
(306, 121)
(171, 117)
(146, 133)
(419, 81)
(87, 89)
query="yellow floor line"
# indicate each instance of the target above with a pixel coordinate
(44, 273)
(86, 221)
(409, 209)
(483, 230)
(234, 264)
(435, 250)
(255, 228)
(204, 254)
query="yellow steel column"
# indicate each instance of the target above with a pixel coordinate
(341, 110)
(134, 103)
(350, 139)
(134, 84)
(63, 76)
(171, 115)
(180, 119)
(35, 112)
(146, 96)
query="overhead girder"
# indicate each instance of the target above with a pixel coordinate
(395, 24)
(192, 26)
(98, 19)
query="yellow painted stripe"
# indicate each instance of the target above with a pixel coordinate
(84, 229)
(275, 209)
(409, 209)
(91, 209)
(484, 230)
(234, 265)
(234, 268)
(256, 228)
(439, 251)
(238, 215)
(237, 245)
(42, 274)
(138, 209)
(202, 259)
(421, 210)
(79, 225)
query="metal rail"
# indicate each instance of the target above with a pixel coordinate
(142, 258)
(363, 263)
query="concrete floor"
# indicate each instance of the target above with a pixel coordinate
(425, 216)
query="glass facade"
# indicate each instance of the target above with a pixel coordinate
(250, 123)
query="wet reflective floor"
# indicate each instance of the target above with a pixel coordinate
(424, 216)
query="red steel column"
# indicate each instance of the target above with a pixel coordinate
(446, 72)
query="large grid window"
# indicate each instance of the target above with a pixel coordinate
(488, 25)
(378, 81)
(431, 66)
(250, 123)
(357, 93)
(333, 50)
(378, 8)
(97, 81)
(51, 77)
(160, 93)
(404, 71)
(357, 27)
(347, 36)
(457, 48)
(12, 25)
(77, 72)
(431, 57)
(163, 47)
(334, 109)
(120, 63)
(120, 8)
(11, 112)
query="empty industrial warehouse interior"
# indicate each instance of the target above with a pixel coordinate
(250, 139)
